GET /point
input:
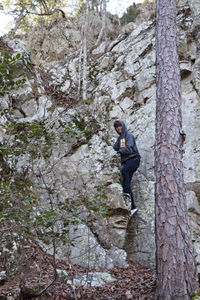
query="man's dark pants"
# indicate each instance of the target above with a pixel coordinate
(127, 170)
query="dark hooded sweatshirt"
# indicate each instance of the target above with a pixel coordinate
(125, 144)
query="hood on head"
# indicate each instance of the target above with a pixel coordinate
(124, 129)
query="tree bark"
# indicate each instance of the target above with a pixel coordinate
(176, 271)
(102, 33)
(80, 71)
(84, 84)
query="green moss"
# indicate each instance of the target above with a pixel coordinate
(196, 297)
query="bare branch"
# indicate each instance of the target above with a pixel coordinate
(48, 14)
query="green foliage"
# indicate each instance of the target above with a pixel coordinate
(83, 127)
(93, 5)
(97, 204)
(33, 13)
(196, 297)
(21, 213)
(30, 138)
(16, 209)
(23, 208)
(9, 71)
(75, 129)
(131, 13)
(69, 132)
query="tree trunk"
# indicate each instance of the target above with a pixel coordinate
(84, 85)
(176, 272)
(21, 16)
(80, 71)
(102, 33)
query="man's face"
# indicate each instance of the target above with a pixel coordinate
(119, 129)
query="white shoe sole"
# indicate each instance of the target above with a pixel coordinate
(133, 211)
(126, 195)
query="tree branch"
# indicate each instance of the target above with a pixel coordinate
(47, 14)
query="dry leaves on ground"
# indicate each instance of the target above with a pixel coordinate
(37, 273)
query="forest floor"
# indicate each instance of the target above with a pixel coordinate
(37, 273)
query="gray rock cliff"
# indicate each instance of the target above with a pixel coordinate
(121, 84)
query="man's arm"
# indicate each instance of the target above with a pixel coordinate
(116, 145)
(128, 149)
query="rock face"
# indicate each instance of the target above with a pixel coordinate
(121, 85)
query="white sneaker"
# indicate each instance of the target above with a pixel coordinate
(127, 199)
(133, 211)
(126, 195)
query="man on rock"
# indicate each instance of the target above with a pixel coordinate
(130, 159)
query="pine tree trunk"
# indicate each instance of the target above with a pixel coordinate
(176, 272)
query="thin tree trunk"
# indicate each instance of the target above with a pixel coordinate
(97, 5)
(19, 19)
(80, 71)
(102, 33)
(84, 85)
(176, 272)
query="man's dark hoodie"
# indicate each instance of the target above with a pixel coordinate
(125, 144)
